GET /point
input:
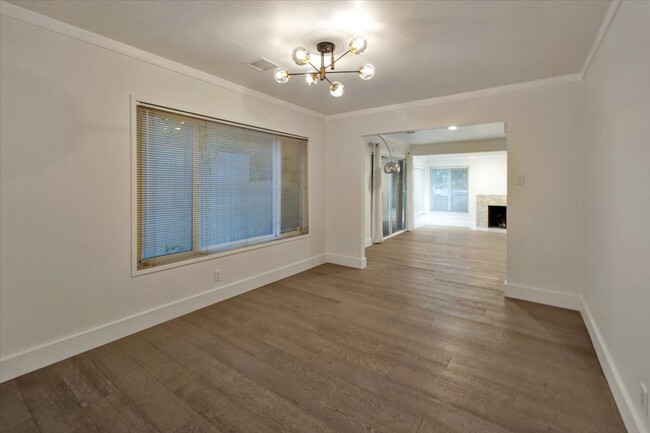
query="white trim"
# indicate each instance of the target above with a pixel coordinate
(392, 235)
(510, 88)
(602, 31)
(631, 417)
(135, 272)
(543, 296)
(490, 229)
(47, 23)
(133, 187)
(492, 154)
(32, 359)
(422, 222)
(195, 113)
(351, 262)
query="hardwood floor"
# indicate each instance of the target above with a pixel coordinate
(420, 341)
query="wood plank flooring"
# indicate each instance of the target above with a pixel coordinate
(421, 341)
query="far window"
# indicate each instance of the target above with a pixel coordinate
(449, 189)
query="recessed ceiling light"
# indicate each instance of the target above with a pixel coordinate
(452, 128)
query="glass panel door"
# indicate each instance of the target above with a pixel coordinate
(393, 199)
(385, 199)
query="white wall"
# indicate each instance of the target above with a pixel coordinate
(466, 146)
(616, 153)
(487, 174)
(543, 127)
(66, 197)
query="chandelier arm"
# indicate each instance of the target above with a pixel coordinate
(299, 73)
(313, 66)
(328, 80)
(343, 72)
(341, 56)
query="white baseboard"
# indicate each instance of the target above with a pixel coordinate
(493, 230)
(32, 359)
(631, 417)
(543, 296)
(352, 262)
(625, 403)
(450, 223)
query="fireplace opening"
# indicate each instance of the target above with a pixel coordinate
(497, 217)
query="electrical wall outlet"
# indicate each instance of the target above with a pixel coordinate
(521, 179)
(644, 399)
(217, 275)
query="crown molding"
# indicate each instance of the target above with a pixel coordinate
(59, 27)
(602, 31)
(510, 88)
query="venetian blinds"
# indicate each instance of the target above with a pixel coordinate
(206, 187)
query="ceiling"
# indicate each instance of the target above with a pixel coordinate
(444, 135)
(420, 49)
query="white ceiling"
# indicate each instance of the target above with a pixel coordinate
(444, 135)
(420, 49)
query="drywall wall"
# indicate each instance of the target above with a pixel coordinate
(544, 215)
(487, 174)
(66, 194)
(616, 152)
(468, 146)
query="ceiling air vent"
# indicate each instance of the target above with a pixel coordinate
(262, 64)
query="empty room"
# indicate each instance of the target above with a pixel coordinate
(311, 216)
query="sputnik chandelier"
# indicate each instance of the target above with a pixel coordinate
(302, 57)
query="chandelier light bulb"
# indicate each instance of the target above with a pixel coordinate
(311, 79)
(301, 56)
(358, 45)
(366, 71)
(281, 75)
(336, 89)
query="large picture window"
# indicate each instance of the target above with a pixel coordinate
(205, 187)
(449, 189)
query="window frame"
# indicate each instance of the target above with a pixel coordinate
(448, 168)
(191, 257)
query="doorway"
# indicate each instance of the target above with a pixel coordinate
(448, 177)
